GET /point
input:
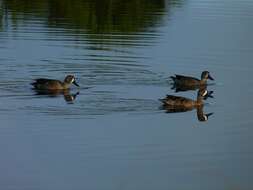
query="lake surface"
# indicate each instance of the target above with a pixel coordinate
(111, 133)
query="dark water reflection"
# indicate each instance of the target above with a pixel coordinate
(201, 116)
(68, 97)
(110, 22)
(111, 133)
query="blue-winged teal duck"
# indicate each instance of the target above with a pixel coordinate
(183, 83)
(179, 102)
(52, 84)
(174, 104)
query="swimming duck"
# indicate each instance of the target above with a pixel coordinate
(175, 104)
(178, 102)
(183, 83)
(52, 84)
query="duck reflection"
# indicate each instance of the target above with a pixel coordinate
(175, 104)
(182, 88)
(201, 115)
(68, 97)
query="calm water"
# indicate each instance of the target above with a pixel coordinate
(114, 135)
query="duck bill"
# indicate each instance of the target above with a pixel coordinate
(211, 78)
(204, 117)
(209, 114)
(209, 94)
(75, 83)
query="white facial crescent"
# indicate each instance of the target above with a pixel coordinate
(205, 93)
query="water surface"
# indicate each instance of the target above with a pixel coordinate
(114, 134)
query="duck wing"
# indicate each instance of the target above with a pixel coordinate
(182, 77)
(175, 109)
(176, 101)
(43, 83)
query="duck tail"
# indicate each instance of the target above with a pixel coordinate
(34, 84)
(173, 78)
(162, 100)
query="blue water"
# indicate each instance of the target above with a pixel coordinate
(114, 134)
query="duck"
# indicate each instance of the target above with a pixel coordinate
(183, 103)
(184, 83)
(53, 84)
(175, 104)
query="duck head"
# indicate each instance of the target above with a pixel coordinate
(206, 75)
(70, 79)
(202, 93)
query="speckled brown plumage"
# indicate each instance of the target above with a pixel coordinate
(178, 101)
(52, 84)
(183, 83)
